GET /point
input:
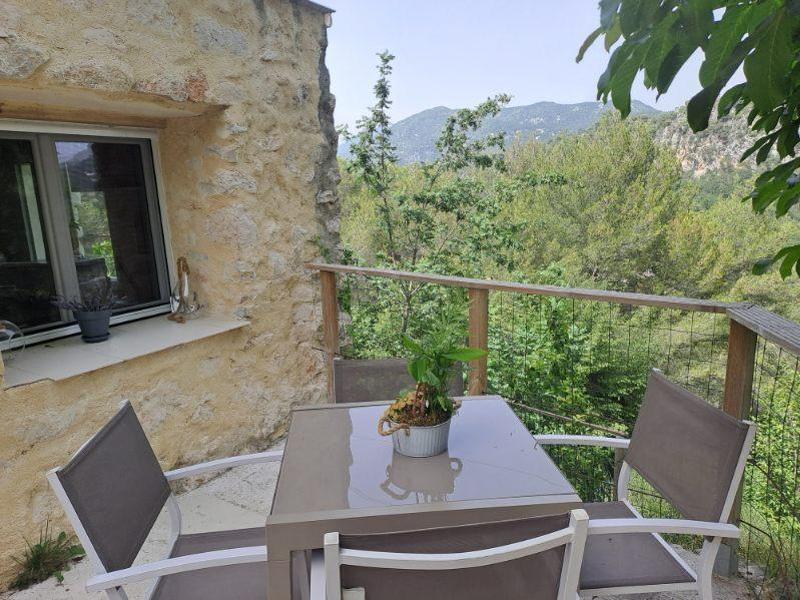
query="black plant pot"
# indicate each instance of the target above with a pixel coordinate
(94, 325)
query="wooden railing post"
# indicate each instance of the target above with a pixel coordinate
(739, 371)
(330, 325)
(478, 338)
(737, 401)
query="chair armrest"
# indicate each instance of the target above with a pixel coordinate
(225, 463)
(317, 576)
(682, 526)
(179, 564)
(581, 440)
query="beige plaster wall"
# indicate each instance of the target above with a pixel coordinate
(250, 196)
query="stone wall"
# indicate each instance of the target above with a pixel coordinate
(250, 196)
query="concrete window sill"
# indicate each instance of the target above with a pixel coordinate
(68, 357)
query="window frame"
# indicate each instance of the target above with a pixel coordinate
(58, 247)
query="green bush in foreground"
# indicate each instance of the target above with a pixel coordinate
(50, 556)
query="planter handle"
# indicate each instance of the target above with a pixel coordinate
(384, 420)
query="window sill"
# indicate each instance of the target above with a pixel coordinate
(68, 357)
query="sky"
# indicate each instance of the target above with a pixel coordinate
(455, 53)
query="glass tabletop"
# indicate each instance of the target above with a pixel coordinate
(335, 460)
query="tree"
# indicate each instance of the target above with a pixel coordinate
(760, 36)
(436, 214)
(607, 224)
(373, 152)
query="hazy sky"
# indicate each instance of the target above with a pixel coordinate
(457, 52)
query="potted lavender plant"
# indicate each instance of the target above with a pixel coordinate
(92, 312)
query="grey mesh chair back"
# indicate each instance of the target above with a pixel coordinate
(378, 380)
(116, 488)
(494, 566)
(686, 449)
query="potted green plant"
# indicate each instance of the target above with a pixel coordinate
(419, 420)
(92, 312)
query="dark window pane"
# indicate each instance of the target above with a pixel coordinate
(106, 197)
(26, 276)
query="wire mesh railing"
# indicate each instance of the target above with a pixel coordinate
(771, 494)
(580, 367)
(578, 364)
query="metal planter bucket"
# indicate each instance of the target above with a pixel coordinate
(421, 442)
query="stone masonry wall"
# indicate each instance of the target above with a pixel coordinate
(250, 196)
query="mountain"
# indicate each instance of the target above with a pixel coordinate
(718, 148)
(415, 137)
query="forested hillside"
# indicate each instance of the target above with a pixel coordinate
(626, 205)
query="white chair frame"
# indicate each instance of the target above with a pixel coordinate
(326, 565)
(111, 582)
(713, 531)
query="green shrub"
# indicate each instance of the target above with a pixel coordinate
(50, 556)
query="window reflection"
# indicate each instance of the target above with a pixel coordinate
(109, 220)
(26, 276)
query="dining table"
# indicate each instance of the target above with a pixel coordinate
(339, 474)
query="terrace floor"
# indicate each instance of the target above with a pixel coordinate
(241, 498)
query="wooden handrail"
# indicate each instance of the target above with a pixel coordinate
(768, 325)
(688, 304)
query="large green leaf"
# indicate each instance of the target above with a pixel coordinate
(766, 68)
(608, 10)
(788, 198)
(762, 266)
(790, 258)
(697, 18)
(418, 369)
(757, 145)
(604, 82)
(698, 110)
(787, 140)
(769, 121)
(412, 345)
(725, 36)
(588, 42)
(622, 80)
(630, 16)
(782, 171)
(661, 42)
(612, 35)
(466, 354)
(672, 63)
(730, 98)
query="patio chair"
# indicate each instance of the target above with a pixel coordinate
(537, 558)
(694, 455)
(382, 379)
(113, 489)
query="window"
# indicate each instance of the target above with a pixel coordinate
(78, 213)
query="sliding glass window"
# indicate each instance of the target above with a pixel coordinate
(77, 214)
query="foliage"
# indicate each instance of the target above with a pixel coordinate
(48, 557)
(100, 299)
(761, 36)
(430, 362)
(105, 249)
(609, 219)
(431, 216)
